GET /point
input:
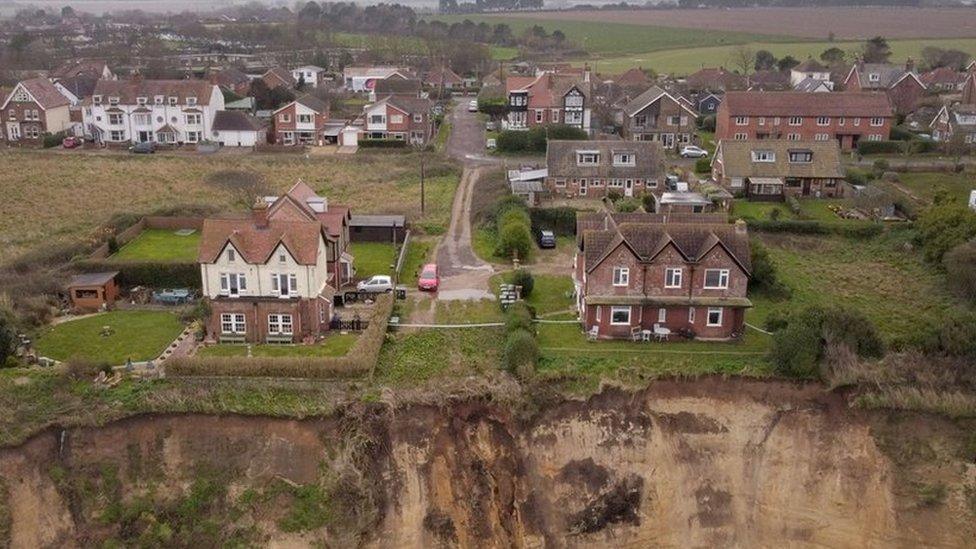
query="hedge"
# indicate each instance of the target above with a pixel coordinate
(857, 230)
(382, 143)
(154, 274)
(894, 147)
(561, 221)
(359, 361)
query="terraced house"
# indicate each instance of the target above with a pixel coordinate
(271, 277)
(591, 169)
(678, 274)
(899, 82)
(168, 112)
(548, 98)
(774, 169)
(847, 117)
(32, 109)
(656, 115)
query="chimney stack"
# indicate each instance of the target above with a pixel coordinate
(910, 65)
(259, 213)
(586, 72)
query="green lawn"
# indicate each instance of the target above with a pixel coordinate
(372, 258)
(503, 53)
(550, 293)
(883, 277)
(414, 357)
(136, 335)
(815, 209)
(468, 311)
(927, 185)
(160, 245)
(332, 345)
(417, 255)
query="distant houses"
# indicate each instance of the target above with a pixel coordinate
(32, 109)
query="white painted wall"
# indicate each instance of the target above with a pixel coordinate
(311, 279)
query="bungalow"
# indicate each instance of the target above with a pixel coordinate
(649, 276)
(308, 75)
(656, 115)
(33, 109)
(595, 168)
(773, 169)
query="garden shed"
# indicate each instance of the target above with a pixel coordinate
(93, 291)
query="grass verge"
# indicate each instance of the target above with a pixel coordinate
(136, 335)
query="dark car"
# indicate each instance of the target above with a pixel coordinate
(547, 239)
(146, 147)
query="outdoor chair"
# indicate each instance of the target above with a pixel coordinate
(635, 333)
(593, 333)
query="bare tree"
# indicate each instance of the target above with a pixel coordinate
(743, 58)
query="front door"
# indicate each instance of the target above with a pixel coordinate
(13, 131)
(667, 140)
(629, 187)
(806, 187)
(144, 136)
(582, 187)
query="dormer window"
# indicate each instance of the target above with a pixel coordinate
(801, 157)
(623, 159)
(874, 77)
(191, 101)
(158, 99)
(113, 100)
(587, 158)
(173, 101)
(763, 156)
(96, 100)
(142, 100)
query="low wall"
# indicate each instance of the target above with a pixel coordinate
(148, 222)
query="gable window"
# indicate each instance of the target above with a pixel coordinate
(640, 120)
(231, 255)
(741, 120)
(418, 118)
(587, 158)
(801, 157)
(282, 257)
(377, 119)
(233, 284)
(284, 285)
(232, 323)
(763, 156)
(621, 276)
(172, 101)
(623, 159)
(284, 118)
(191, 101)
(874, 77)
(674, 120)
(113, 100)
(716, 279)
(620, 316)
(672, 278)
(796, 120)
(96, 100)
(714, 316)
(280, 325)
(877, 121)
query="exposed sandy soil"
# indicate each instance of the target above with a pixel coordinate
(704, 463)
(890, 22)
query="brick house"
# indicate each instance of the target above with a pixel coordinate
(32, 109)
(846, 117)
(943, 79)
(714, 79)
(278, 77)
(443, 78)
(549, 98)
(955, 123)
(594, 168)
(773, 169)
(232, 80)
(271, 277)
(899, 82)
(301, 122)
(689, 272)
(656, 115)
(400, 117)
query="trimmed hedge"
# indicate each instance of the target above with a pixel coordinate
(561, 221)
(858, 230)
(359, 361)
(895, 147)
(154, 274)
(382, 143)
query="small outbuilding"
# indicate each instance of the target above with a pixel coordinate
(93, 291)
(238, 129)
(377, 228)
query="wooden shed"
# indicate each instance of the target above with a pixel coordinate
(93, 291)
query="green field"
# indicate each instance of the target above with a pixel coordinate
(162, 245)
(136, 335)
(927, 185)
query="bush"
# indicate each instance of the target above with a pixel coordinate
(561, 221)
(614, 195)
(512, 141)
(382, 143)
(799, 347)
(957, 335)
(514, 239)
(794, 205)
(707, 123)
(628, 205)
(855, 176)
(519, 317)
(960, 266)
(523, 278)
(764, 278)
(564, 132)
(899, 133)
(536, 139)
(521, 352)
(52, 140)
(943, 226)
(879, 147)
(703, 165)
(8, 337)
(80, 370)
(513, 215)
(793, 226)
(775, 213)
(880, 166)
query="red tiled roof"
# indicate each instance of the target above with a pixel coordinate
(43, 92)
(129, 90)
(256, 244)
(807, 104)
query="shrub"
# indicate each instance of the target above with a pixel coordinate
(523, 278)
(519, 317)
(53, 139)
(957, 335)
(799, 347)
(561, 221)
(521, 352)
(880, 166)
(79, 369)
(512, 141)
(899, 133)
(564, 132)
(703, 165)
(943, 226)
(879, 147)
(382, 143)
(764, 278)
(627, 205)
(794, 205)
(11, 362)
(960, 266)
(855, 176)
(707, 123)
(614, 195)
(8, 337)
(513, 215)
(775, 213)
(648, 200)
(514, 239)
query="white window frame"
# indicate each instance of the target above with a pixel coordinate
(877, 121)
(225, 284)
(540, 116)
(741, 120)
(233, 324)
(711, 311)
(823, 120)
(796, 121)
(673, 276)
(763, 156)
(741, 136)
(723, 279)
(619, 309)
(662, 315)
(621, 276)
(280, 324)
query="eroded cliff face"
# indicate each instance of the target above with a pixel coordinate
(700, 463)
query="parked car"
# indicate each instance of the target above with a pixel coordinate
(376, 284)
(473, 106)
(146, 147)
(691, 151)
(547, 239)
(429, 280)
(71, 142)
(491, 125)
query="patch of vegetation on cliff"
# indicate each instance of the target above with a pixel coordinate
(5, 519)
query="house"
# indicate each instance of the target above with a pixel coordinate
(943, 80)
(645, 271)
(308, 75)
(594, 168)
(87, 67)
(810, 70)
(239, 129)
(969, 89)
(443, 78)
(955, 124)
(707, 103)
(548, 98)
(899, 82)
(399, 117)
(714, 79)
(774, 169)
(271, 277)
(813, 85)
(633, 78)
(396, 86)
(93, 291)
(656, 115)
(301, 122)
(161, 111)
(768, 80)
(847, 117)
(232, 80)
(363, 79)
(278, 78)
(33, 109)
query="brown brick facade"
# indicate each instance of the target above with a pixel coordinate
(310, 317)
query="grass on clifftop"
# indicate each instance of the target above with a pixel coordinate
(136, 335)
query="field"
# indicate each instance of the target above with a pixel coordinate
(814, 22)
(160, 245)
(927, 185)
(53, 199)
(136, 335)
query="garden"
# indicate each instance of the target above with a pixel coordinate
(334, 345)
(160, 245)
(111, 338)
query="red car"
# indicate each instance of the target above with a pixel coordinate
(428, 278)
(70, 142)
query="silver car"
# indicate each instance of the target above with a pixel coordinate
(376, 284)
